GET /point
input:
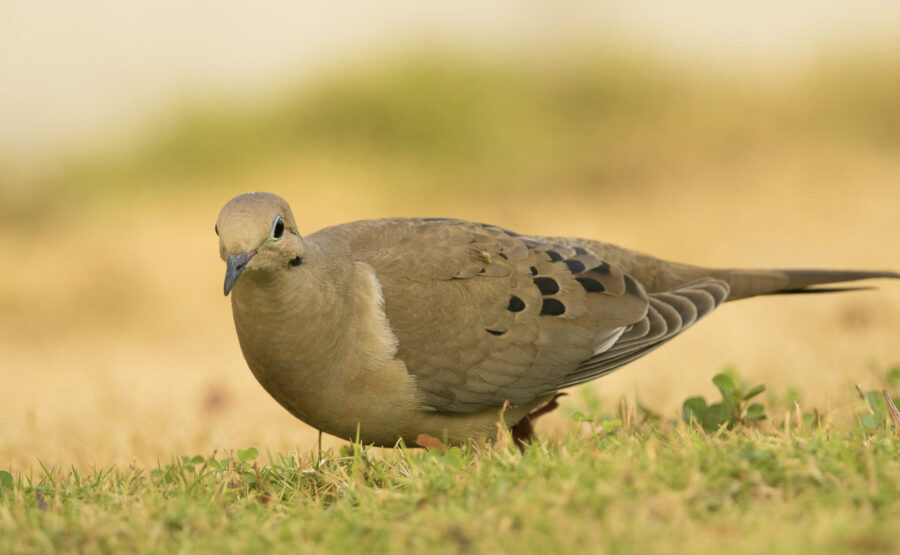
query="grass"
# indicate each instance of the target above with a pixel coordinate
(624, 482)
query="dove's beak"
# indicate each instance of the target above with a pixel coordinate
(235, 266)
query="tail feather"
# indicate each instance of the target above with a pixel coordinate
(812, 290)
(750, 283)
(801, 279)
(658, 275)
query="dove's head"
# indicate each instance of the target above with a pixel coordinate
(257, 232)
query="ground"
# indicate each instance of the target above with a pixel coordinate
(606, 487)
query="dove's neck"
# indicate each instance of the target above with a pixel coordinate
(297, 321)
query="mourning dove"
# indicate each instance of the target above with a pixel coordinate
(386, 329)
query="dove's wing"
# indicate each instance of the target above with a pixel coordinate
(484, 315)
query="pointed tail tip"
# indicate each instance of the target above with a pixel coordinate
(813, 290)
(800, 279)
(806, 281)
(752, 283)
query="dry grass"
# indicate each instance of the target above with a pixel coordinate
(633, 488)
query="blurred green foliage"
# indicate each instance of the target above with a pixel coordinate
(434, 111)
(437, 119)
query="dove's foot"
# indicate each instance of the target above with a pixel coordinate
(523, 430)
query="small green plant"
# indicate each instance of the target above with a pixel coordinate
(879, 412)
(734, 409)
(598, 423)
(881, 404)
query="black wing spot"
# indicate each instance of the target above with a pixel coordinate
(548, 286)
(580, 250)
(575, 266)
(553, 307)
(494, 332)
(296, 261)
(603, 268)
(533, 270)
(554, 256)
(515, 304)
(503, 256)
(591, 285)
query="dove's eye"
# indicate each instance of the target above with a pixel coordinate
(277, 228)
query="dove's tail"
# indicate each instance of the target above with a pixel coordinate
(750, 283)
(658, 275)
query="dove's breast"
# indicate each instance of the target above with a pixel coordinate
(304, 348)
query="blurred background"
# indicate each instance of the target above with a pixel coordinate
(725, 134)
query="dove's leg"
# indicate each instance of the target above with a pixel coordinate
(523, 430)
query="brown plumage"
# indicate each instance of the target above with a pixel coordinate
(399, 327)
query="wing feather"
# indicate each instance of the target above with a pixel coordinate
(484, 315)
